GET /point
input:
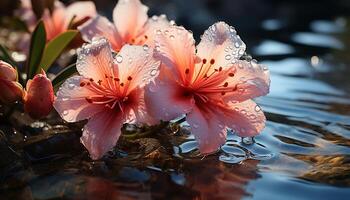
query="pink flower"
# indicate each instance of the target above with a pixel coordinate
(39, 96)
(131, 25)
(58, 21)
(212, 87)
(108, 92)
(11, 90)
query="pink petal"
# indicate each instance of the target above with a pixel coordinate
(220, 42)
(80, 10)
(136, 63)
(129, 16)
(208, 129)
(71, 103)
(251, 80)
(154, 24)
(139, 112)
(101, 133)
(95, 60)
(175, 48)
(245, 118)
(164, 98)
(101, 26)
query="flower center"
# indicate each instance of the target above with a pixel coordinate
(109, 92)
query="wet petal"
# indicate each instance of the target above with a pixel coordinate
(136, 66)
(165, 99)
(245, 118)
(101, 133)
(250, 79)
(221, 42)
(71, 101)
(150, 29)
(175, 48)
(208, 130)
(129, 16)
(95, 60)
(101, 26)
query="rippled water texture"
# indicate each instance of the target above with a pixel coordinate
(303, 153)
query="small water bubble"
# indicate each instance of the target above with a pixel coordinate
(119, 59)
(232, 30)
(154, 18)
(71, 86)
(241, 52)
(65, 113)
(248, 140)
(172, 37)
(228, 57)
(257, 108)
(237, 45)
(153, 72)
(158, 32)
(145, 47)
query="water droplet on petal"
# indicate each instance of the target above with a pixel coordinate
(71, 86)
(119, 59)
(158, 32)
(257, 108)
(65, 113)
(153, 72)
(172, 37)
(227, 57)
(145, 47)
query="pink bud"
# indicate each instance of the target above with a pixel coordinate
(10, 91)
(39, 96)
(7, 72)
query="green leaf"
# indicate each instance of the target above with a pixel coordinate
(36, 49)
(54, 48)
(5, 56)
(63, 75)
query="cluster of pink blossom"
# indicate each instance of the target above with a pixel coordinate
(143, 70)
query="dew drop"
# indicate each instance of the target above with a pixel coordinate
(153, 72)
(247, 140)
(119, 59)
(257, 108)
(65, 113)
(154, 18)
(228, 57)
(172, 37)
(237, 45)
(158, 32)
(71, 86)
(145, 47)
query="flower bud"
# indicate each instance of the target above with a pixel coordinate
(39, 96)
(10, 91)
(7, 72)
